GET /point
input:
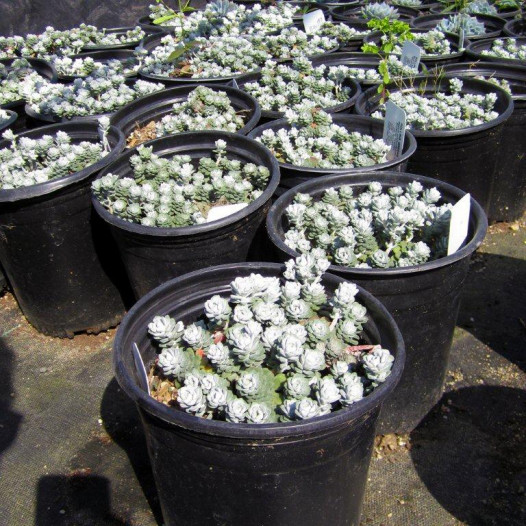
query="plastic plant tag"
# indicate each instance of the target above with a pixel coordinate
(394, 129)
(411, 54)
(234, 84)
(461, 38)
(218, 212)
(141, 370)
(459, 223)
(313, 21)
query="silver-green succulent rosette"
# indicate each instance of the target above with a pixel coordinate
(273, 350)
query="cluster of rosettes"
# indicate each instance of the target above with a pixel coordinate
(54, 42)
(292, 42)
(272, 350)
(173, 192)
(501, 83)
(104, 91)
(208, 58)
(32, 161)
(313, 140)
(395, 67)
(379, 11)
(83, 67)
(399, 227)
(343, 34)
(507, 48)
(282, 86)
(225, 18)
(481, 7)
(12, 80)
(442, 111)
(4, 117)
(432, 43)
(454, 23)
(407, 3)
(204, 109)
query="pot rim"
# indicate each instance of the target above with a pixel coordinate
(481, 222)
(320, 424)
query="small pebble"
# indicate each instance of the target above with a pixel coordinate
(42, 370)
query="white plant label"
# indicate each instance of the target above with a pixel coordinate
(218, 212)
(411, 54)
(235, 84)
(313, 21)
(141, 370)
(461, 38)
(459, 223)
(394, 129)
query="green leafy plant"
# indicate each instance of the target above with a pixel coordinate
(393, 32)
(182, 9)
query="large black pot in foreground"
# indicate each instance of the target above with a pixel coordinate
(508, 198)
(465, 157)
(153, 255)
(55, 251)
(424, 299)
(210, 472)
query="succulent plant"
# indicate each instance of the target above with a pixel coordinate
(444, 111)
(481, 7)
(314, 140)
(27, 162)
(300, 371)
(507, 48)
(4, 116)
(432, 43)
(13, 78)
(373, 229)
(174, 192)
(407, 3)
(83, 67)
(379, 11)
(454, 23)
(103, 91)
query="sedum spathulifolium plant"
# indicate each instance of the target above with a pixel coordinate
(443, 111)
(282, 86)
(379, 11)
(407, 3)
(313, 140)
(454, 23)
(27, 162)
(432, 43)
(374, 228)
(12, 80)
(273, 350)
(83, 67)
(103, 91)
(507, 48)
(343, 34)
(174, 192)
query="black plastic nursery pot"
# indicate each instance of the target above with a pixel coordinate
(466, 157)
(475, 49)
(119, 31)
(428, 60)
(153, 255)
(501, 13)
(55, 252)
(424, 299)
(508, 198)
(104, 56)
(346, 106)
(493, 24)
(515, 28)
(211, 472)
(155, 106)
(345, 13)
(292, 175)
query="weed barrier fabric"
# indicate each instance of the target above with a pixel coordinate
(307, 472)
(153, 255)
(54, 253)
(423, 300)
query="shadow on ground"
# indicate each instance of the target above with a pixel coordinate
(9, 419)
(470, 452)
(493, 306)
(75, 500)
(122, 423)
